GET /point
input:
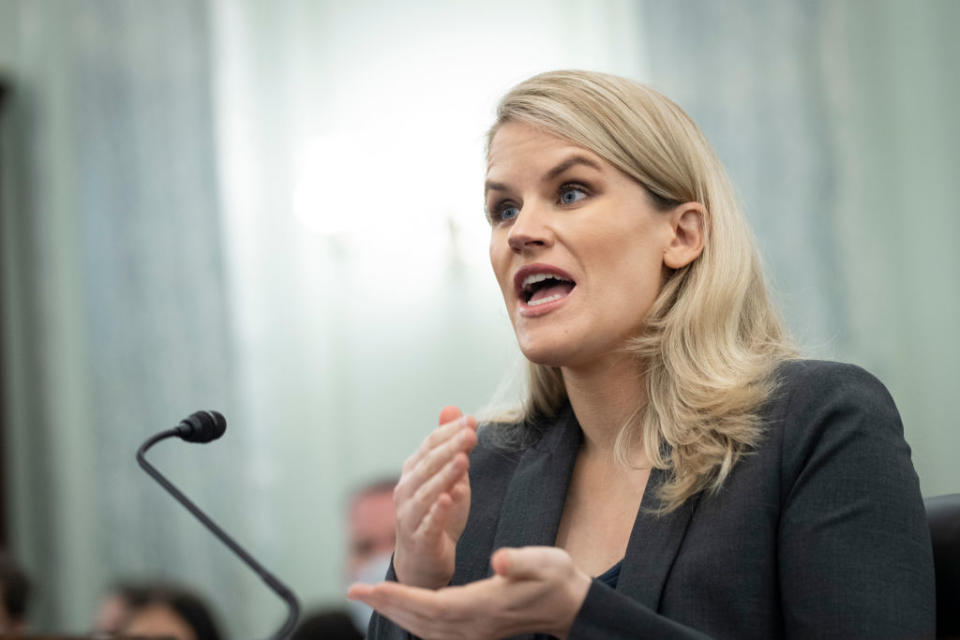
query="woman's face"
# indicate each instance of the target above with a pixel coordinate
(578, 247)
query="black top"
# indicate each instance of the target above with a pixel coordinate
(611, 575)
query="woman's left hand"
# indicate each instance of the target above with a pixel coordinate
(533, 590)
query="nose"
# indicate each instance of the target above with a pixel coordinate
(529, 231)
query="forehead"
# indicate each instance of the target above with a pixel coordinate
(518, 145)
(374, 504)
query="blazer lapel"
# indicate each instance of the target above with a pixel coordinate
(532, 507)
(654, 543)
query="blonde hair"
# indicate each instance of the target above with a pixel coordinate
(712, 339)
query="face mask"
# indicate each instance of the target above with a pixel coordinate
(371, 572)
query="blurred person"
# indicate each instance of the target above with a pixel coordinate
(326, 624)
(371, 535)
(15, 591)
(677, 470)
(172, 612)
(116, 605)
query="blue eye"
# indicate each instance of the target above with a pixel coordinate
(570, 195)
(508, 213)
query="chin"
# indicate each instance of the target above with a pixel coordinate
(545, 353)
(545, 361)
(572, 349)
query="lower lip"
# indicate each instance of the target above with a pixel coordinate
(532, 311)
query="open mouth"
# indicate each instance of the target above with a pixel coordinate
(540, 286)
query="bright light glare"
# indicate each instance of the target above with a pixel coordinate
(388, 148)
(345, 184)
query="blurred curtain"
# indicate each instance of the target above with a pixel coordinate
(837, 122)
(116, 319)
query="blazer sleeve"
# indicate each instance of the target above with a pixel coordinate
(855, 559)
(611, 615)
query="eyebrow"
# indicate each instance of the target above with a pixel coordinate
(570, 162)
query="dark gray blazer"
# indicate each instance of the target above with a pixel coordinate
(818, 533)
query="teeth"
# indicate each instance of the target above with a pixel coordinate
(534, 303)
(540, 277)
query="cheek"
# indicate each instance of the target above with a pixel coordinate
(633, 270)
(500, 262)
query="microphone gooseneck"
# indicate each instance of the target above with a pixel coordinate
(206, 426)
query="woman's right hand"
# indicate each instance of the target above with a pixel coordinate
(433, 500)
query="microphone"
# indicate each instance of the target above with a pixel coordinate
(202, 427)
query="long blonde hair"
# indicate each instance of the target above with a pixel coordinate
(712, 339)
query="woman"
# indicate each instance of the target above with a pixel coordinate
(676, 472)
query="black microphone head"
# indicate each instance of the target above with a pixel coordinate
(202, 426)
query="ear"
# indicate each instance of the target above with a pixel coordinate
(686, 244)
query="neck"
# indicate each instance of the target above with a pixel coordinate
(604, 396)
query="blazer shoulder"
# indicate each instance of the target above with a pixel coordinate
(825, 408)
(817, 375)
(810, 391)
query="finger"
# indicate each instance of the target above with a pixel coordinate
(437, 437)
(448, 602)
(461, 490)
(527, 563)
(429, 466)
(500, 561)
(435, 521)
(449, 414)
(447, 441)
(416, 508)
(410, 607)
(402, 616)
(390, 592)
(439, 613)
(359, 591)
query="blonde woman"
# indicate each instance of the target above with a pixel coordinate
(677, 471)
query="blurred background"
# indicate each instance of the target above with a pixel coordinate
(274, 209)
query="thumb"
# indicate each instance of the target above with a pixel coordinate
(525, 562)
(449, 414)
